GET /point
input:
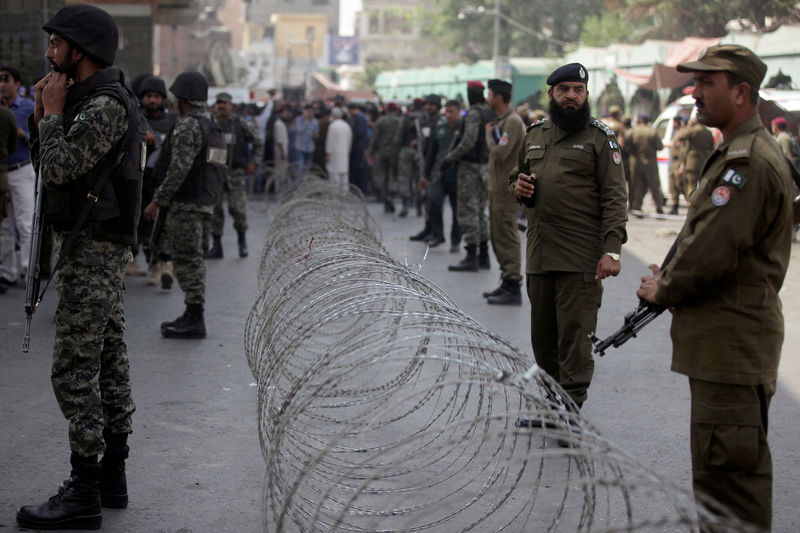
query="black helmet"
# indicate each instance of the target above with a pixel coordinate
(190, 86)
(152, 84)
(88, 27)
(137, 80)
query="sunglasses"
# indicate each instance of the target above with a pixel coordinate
(6, 77)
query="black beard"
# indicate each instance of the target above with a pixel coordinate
(570, 119)
(69, 70)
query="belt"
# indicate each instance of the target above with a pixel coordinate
(18, 165)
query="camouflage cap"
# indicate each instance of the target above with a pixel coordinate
(224, 98)
(732, 58)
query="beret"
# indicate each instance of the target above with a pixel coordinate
(569, 72)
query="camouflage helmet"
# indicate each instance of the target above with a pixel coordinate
(152, 84)
(190, 85)
(89, 28)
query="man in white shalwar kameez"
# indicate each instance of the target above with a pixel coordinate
(337, 150)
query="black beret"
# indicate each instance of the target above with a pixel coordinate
(570, 72)
(499, 86)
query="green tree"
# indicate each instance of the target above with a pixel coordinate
(602, 30)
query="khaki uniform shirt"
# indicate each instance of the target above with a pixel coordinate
(732, 256)
(698, 143)
(503, 154)
(580, 198)
(643, 143)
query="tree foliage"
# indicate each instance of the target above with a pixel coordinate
(592, 22)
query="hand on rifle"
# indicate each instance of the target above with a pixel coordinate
(151, 211)
(649, 286)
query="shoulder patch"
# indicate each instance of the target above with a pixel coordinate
(599, 124)
(733, 178)
(539, 122)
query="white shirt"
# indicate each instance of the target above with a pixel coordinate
(337, 146)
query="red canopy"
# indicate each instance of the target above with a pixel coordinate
(665, 75)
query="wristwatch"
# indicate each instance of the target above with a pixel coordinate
(612, 255)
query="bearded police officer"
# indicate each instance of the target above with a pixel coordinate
(571, 179)
(193, 165)
(722, 283)
(239, 134)
(88, 138)
(471, 154)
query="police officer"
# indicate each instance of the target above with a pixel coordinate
(697, 143)
(82, 138)
(382, 155)
(570, 166)
(407, 160)
(431, 119)
(722, 284)
(677, 151)
(193, 165)
(471, 155)
(643, 143)
(504, 139)
(239, 134)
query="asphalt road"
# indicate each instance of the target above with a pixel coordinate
(196, 463)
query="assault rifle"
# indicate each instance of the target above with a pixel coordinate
(155, 235)
(637, 319)
(33, 277)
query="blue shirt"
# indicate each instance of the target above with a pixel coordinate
(21, 109)
(306, 130)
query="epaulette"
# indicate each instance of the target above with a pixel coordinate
(599, 124)
(535, 124)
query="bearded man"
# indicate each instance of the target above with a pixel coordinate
(571, 181)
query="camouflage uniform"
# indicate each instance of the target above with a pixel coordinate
(237, 197)
(473, 179)
(384, 155)
(185, 221)
(407, 160)
(90, 374)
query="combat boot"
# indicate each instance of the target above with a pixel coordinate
(113, 483)
(483, 256)
(388, 206)
(509, 294)
(134, 269)
(76, 506)
(469, 263)
(155, 273)
(215, 252)
(495, 292)
(243, 251)
(167, 275)
(674, 210)
(190, 326)
(423, 235)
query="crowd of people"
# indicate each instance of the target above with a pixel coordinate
(158, 171)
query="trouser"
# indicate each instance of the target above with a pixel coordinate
(731, 461)
(473, 193)
(22, 189)
(340, 180)
(563, 313)
(304, 162)
(384, 175)
(437, 190)
(237, 205)
(91, 373)
(503, 208)
(407, 172)
(184, 235)
(641, 183)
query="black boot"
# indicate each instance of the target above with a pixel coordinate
(242, 245)
(215, 252)
(509, 294)
(190, 326)
(495, 292)
(113, 483)
(423, 235)
(388, 206)
(483, 256)
(469, 263)
(76, 506)
(674, 210)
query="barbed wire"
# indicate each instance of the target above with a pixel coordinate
(383, 407)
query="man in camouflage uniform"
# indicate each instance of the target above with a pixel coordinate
(79, 136)
(407, 160)
(722, 284)
(238, 134)
(382, 153)
(471, 155)
(571, 180)
(192, 162)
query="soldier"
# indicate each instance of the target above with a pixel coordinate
(21, 184)
(677, 150)
(86, 136)
(698, 143)
(442, 182)
(407, 160)
(728, 265)
(382, 155)
(643, 143)
(780, 130)
(238, 134)
(192, 170)
(504, 139)
(153, 97)
(471, 155)
(571, 179)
